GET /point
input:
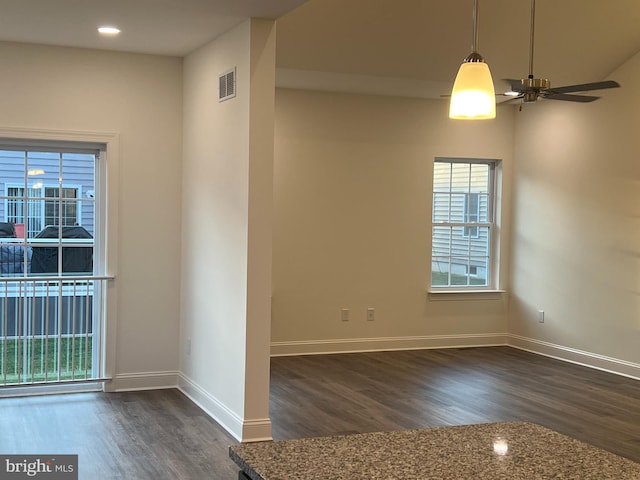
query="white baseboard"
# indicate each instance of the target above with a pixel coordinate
(126, 382)
(580, 357)
(257, 430)
(354, 345)
(252, 430)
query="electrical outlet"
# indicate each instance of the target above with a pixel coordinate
(371, 314)
(188, 346)
(344, 314)
(540, 316)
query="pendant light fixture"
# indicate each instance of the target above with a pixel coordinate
(473, 95)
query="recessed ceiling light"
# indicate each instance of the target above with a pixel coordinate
(109, 30)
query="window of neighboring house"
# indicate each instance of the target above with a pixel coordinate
(61, 208)
(463, 223)
(471, 213)
(21, 212)
(40, 207)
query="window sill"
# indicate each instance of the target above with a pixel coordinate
(466, 294)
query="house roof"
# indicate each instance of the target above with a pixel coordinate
(382, 46)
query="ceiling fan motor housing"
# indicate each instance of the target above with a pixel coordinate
(531, 87)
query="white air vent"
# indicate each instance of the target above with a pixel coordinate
(227, 82)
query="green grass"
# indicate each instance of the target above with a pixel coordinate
(36, 360)
(441, 279)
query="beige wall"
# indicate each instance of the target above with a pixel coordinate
(137, 97)
(576, 233)
(352, 199)
(226, 254)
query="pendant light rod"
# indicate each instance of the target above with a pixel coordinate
(474, 56)
(533, 21)
(474, 46)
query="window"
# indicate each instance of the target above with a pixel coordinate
(53, 293)
(55, 305)
(471, 213)
(40, 207)
(54, 210)
(23, 212)
(462, 223)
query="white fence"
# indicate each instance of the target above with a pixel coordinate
(50, 329)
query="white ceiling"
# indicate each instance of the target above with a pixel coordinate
(411, 47)
(422, 42)
(163, 27)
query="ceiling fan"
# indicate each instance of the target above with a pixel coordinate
(530, 89)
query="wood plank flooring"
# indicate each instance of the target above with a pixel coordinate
(154, 435)
(340, 394)
(162, 435)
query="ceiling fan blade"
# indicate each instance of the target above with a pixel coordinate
(448, 95)
(568, 98)
(516, 85)
(585, 87)
(510, 101)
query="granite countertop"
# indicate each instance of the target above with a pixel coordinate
(509, 450)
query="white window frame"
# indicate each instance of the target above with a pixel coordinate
(490, 224)
(106, 230)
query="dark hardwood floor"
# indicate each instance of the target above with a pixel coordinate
(162, 435)
(150, 435)
(340, 394)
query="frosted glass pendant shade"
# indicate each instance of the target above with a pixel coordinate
(473, 96)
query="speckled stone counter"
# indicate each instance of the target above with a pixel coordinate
(510, 450)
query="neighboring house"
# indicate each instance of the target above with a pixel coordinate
(33, 200)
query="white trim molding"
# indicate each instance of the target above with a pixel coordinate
(359, 84)
(217, 410)
(573, 355)
(258, 430)
(128, 382)
(243, 430)
(355, 345)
